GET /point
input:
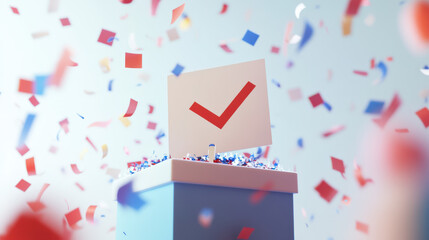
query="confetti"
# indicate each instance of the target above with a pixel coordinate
(362, 73)
(388, 113)
(65, 22)
(131, 108)
(327, 106)
(316, 100)
(276, 83)
(205, 217)
(105, 64)
(177, 12)
(41, 34)
(151, 125)
(33, 101)
(26, 86)
(333, 131)
(53, 6)
(423, 114)
(23, 185)
(300, 143)
(402, 130)
(80, 186)
(359, 177)
(102, 124)
(23, 149)
(44, 187)
(126, 1)
(92, 144)
(58, 75)
(26, 129)
(133, 60)
(225, 48)
(351, 11)
(224, 8)
(185, 23)
(326, 191)
(295, 94)
(14, 10)
(298, 10)
(36, 206)
(362, 227)
(90, 213)
(383, 68)
(275, 49)
(374, 107)
(306, 36)
(154, 6)
(73, 217)
(250, 37)
(65, 125)
(104, 148)
(127, 197)
(125, 121)
(245, 233)
(260, 194)
(172, 34)
(177, 70)
(110, 85)
(338, 165)
(105, 35)
(346, 200)
(75, 169)
(151, 109)
(425, 70)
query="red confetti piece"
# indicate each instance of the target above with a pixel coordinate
(359, 177)
(295, 94)
(125, 1)
(23, 185)
(75, 169)
(389, 59)
(44, 187)
(57, 78)
(421, 14)
(388, 113)
(316, 100)
(225, 48)
(31, 167)
(423, 114)
(25, 86)
(326, 191)
(362, 227)
(92, 144)
(104, 37)
(73, 217)
(151, 108)
(275, 50)
(346, 200)
(102, 124)
(353, 7)
(338, 165)
(267, 150)
(333, 130)
(224, 8)
(260, 194)
(131, 108)
(65, 21)
(23, 149)
(65, 125)
(133, 164)
(372, 63)
(80, 186)
(36, 206)
(151, 125)
(154, 6)
(90, 213)
(362, 73)
(177, 12)
(14, 10)
(133, 60)
(245, 233)
(33, 100)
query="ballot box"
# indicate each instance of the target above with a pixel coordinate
(175, 192)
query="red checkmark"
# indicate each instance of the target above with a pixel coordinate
(229, 111)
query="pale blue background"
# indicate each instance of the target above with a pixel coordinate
(197, 48)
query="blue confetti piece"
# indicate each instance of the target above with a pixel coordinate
(383, 69)
(426, 67)
(110, 39)
(250, 37)
(26, 129)
(177, 70)
(306, 36)
(327, 106)
(275, 82)
(80, 116)
(374, 107)
(58, 135)
(127, 197)
(300, 142)
(40, 82)
(110, 85)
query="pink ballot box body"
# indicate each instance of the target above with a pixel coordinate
(177, 195)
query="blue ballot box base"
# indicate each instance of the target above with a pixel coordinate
(171, 213)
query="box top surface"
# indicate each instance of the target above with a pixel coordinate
(212, 174)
